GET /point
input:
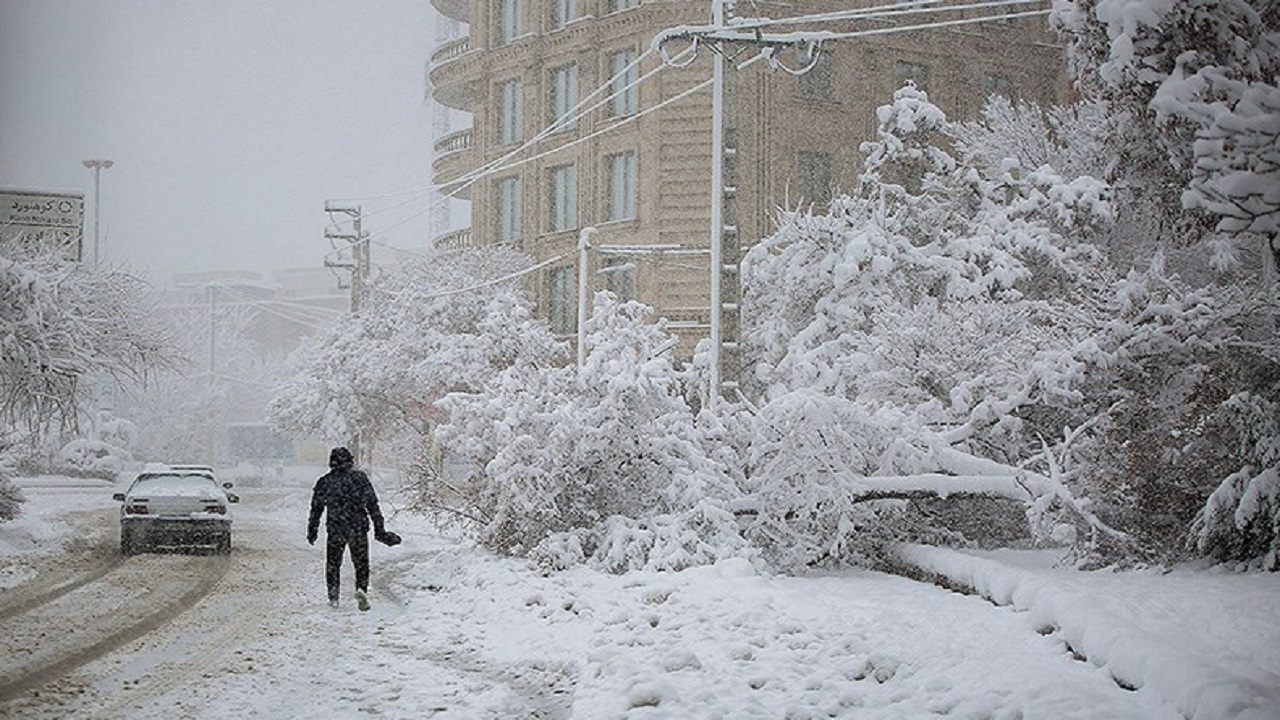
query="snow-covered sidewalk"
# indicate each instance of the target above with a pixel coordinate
(1207, 641)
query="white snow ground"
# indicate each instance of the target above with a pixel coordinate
(458, 633)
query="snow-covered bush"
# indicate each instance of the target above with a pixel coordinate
(601, 464)
(1241, 520)
(91, 458)
(11, 497)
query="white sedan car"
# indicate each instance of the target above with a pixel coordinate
(168, 507)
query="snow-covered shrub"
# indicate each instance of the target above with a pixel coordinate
(116, 431)
(601, 464)
(91, 458)
(1158, 375)
(1241, 520)
(11, 497)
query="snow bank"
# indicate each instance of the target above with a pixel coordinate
(1175, 635)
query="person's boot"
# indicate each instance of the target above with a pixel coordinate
(362, 600)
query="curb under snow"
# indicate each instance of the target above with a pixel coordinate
(1194, 685)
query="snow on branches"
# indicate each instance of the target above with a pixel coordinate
(600, 464)
(910, 343)
(426, 328)
(1195, 82)
(62, 322)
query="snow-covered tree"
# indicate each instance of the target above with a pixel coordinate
(600, 464)
(426, 328)
(179, 411)
(1193, 89)
(912, 343)
(1192, 101)
(63, 322)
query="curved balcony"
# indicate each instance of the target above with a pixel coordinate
(454, 79)
(456, 239)
(459, 10)
(453, 159)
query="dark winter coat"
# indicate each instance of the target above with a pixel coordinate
(348, 497)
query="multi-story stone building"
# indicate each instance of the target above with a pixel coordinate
(641, 173)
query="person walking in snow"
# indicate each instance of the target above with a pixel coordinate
(350, 501)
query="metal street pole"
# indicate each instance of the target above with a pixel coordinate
(97, 166)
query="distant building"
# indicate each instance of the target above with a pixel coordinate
(645, 182)
(286, 304)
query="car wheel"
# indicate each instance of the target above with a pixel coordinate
(224, 544)
(128, 545)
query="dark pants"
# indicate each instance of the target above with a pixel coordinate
(333, 561)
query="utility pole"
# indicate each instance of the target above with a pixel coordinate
(725, 288)
(359, 267)
(584, 244)
(97, 166)
(213, 420)
(717, 201)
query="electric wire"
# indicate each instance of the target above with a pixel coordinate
(580, 110)
(729, 32)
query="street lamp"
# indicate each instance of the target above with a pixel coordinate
(97, 166)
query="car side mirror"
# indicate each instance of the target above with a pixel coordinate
(118, 497)
(232, 497)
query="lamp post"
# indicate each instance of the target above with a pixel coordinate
(97, 166)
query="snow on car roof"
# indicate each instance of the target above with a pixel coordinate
(179, 484)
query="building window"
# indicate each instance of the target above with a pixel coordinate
(621, 201)
(622, 89)
(813, 173)
(620, 278)
(819, 82)
(509, 25)
(564, 302)
(510, 112)
(508, 206)
(996, 84)
(616, 5)
(564, 96)
(915, 72)
(563, 12)
(564, 198)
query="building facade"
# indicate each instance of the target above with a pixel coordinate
(636, 164)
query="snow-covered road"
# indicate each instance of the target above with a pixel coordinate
(457, 633)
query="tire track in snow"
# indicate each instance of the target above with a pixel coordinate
(58, 590)
(46, 672)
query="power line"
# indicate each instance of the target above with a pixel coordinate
(579, 111)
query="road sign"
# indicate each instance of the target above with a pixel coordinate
(38, 217)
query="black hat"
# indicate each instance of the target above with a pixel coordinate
(339, 457)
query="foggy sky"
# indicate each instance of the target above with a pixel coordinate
(230, 122)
